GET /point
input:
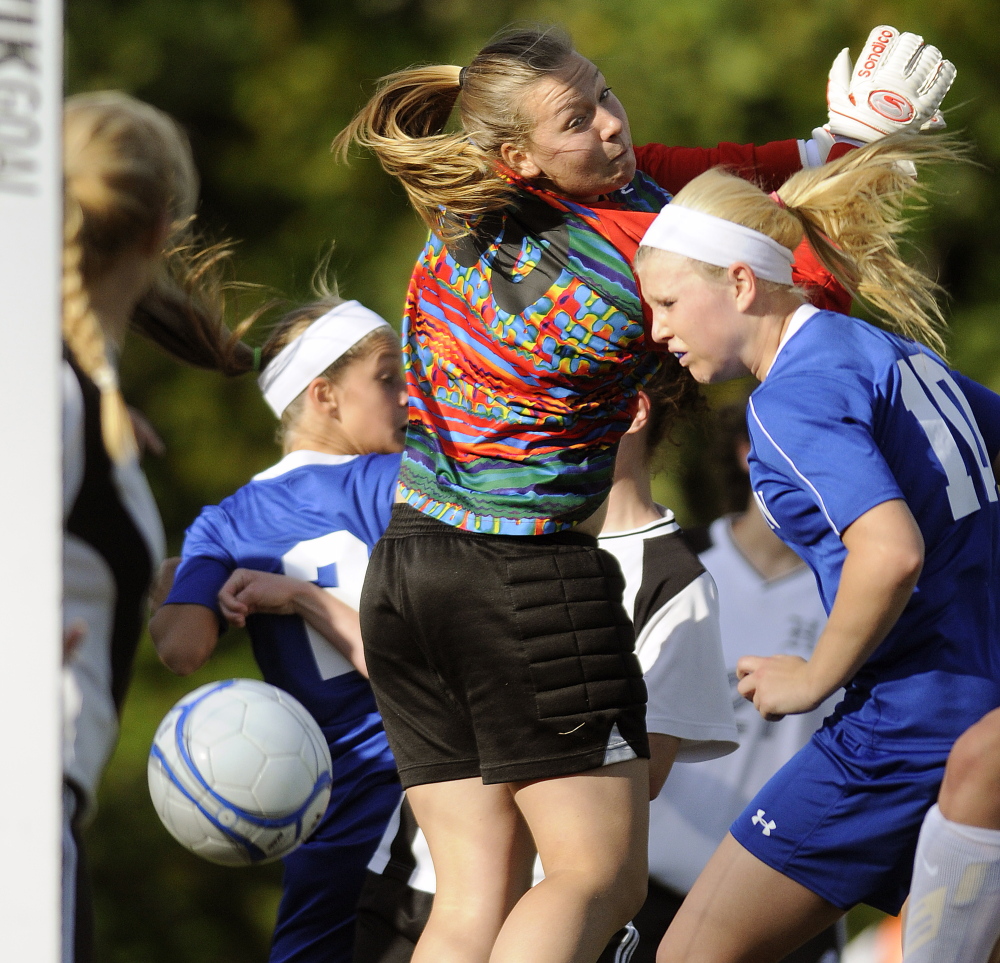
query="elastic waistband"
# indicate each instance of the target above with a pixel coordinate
(407, 520)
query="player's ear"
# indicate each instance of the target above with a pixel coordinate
(641, 417)
(322, 394)
(743, 279)
(519, 161)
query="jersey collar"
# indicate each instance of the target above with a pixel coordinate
(299, 459)
(802, 314)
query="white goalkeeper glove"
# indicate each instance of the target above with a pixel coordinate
(896, 84)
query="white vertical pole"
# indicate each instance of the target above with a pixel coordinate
(30, 571)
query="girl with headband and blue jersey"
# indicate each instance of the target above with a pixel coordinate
(288, 553)
(875, 461)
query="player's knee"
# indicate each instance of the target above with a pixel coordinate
(634, 898)
(625, 890)
(617, 888)
(973, 769)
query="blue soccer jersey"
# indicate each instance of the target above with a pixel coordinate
(851, 416)
(315, 517)
(848, 417)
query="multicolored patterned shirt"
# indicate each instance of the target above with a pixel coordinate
(524, 350)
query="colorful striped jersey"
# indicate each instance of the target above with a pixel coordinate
(524, 349)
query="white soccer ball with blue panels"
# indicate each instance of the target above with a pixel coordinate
(239, 772)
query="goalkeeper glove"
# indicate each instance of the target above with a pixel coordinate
(896, 84)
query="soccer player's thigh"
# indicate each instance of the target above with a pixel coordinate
(740, 910)
(595, 823)
(482, 851)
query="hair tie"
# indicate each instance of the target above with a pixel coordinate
(777, 200)
(256, 359)
(461, 77)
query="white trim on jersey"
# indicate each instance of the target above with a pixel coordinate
(422, 877)
(802, 314)
(680, 650)
(805, 481)
(299, 459)
(90, 593)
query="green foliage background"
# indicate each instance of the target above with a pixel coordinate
(262, 86)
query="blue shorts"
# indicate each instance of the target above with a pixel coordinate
(323, 877)
(842, 819)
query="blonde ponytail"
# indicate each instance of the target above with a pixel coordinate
(852, 211)
(84, 337)
(452, 178)
(128, 172)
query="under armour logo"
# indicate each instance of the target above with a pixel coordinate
(766, 825)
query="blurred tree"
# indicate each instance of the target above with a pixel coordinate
(263, 86)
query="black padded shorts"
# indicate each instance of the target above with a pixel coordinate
(505, 657)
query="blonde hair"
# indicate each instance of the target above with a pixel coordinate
(128, 174)
(291, 325)
(851, 210)
(451, 178)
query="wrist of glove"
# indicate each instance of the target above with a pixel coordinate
(896, 84)
(820, 148)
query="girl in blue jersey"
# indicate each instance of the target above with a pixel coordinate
(875, 462)
(332, 374)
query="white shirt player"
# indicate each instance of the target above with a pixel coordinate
(96, 576)
(674, 606)
(675, 609)
(759, 617)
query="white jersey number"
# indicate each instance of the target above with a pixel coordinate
(941, 420)
(342, 558)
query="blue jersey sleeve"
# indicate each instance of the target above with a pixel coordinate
(206, 563)
(818, 432)
(381, 473)
(197, 582)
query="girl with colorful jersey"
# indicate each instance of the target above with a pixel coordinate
(332, 374)
(674, 609)
(875, 461)
(500, 653)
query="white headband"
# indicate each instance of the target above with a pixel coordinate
(715, 240)
(313, 351)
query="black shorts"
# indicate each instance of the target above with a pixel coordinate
(501, 656)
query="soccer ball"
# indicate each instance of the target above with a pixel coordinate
(239, 772)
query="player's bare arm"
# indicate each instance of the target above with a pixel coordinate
(885, 553)
(248, 591)
(184, 636)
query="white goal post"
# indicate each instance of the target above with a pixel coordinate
(30, 571)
